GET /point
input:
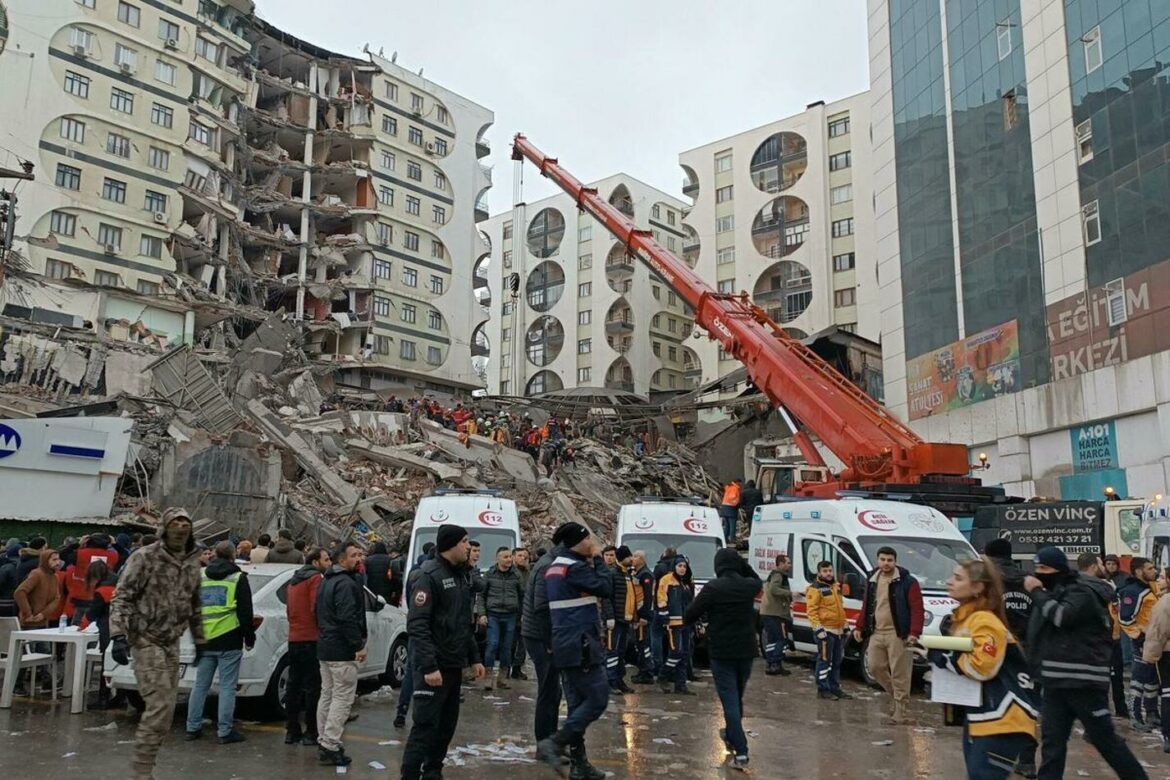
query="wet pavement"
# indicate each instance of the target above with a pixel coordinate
(792, 734)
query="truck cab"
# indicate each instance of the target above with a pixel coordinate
(776, 478)
(489, 518)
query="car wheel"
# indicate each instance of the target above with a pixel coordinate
(863, 666)
(274, 695)
(395, 665)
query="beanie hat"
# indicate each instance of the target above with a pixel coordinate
(13, 550)
(623, 552)
(998, 548)
(449, 535)
(1052, 557)
(680, 559)
(1113, 558)
(570, 534)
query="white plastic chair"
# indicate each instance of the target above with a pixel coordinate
(93, 660)
(28, 660)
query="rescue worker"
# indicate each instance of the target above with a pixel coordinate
(826, 617)
(439, 624)
(536, 628)
(341, 649)
(157, 599)
(226, 600)
(1116, 662)
(1133, 603)
(776, 615)
(891, 618)
(644, 582)
(621, 611)
(728, 602)
(503, 597)
(750, 498)
(304, 673)
(657, 625)
(1154, 653)
(1001, 730)
(729, 510)
(1017, 601)
(675, 592)
(1070, 646)
(575, 581)
(95, 547)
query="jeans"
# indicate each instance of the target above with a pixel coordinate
(729, 515)
(675, 668)
(548, 689)
(657, 635)
(436, 713)
(830, 653)
(501, 632)
(228, 664)
(587, 696)
(773, 640)
(731, 677)
(615, 657)
(1061, 706)
(995, 757)
(407, 690)
(304, 688)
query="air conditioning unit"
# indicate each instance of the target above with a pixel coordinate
(111, 249)
(160, 217)
(126, 67)
(172, 43)
(80, 50)
(430, 148)
(416, 113)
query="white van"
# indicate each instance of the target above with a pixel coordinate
(688, 525)
(848, 532)
(489, 518)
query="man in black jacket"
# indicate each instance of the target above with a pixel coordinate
(1070, 645)
(439, 624)
(536, 628)
(728, 602)
(1017, 602)
(644, 579)
(341, 647)
(378, 572)
(749, 499)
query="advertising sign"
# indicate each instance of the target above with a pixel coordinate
(1094, 447)
(982, 366)
(1073, 526)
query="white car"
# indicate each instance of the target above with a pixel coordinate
(264, 669)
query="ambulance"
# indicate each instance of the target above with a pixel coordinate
(848, 532)
(489, 518)
(688, 525)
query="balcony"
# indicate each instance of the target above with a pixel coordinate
(622, 263)
(620, 346)
(479, 280)
(619, 325)
(482, 148)
(690, 188)
(481, 210)
(620, 384)
(692, 370)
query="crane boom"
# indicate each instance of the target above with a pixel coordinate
(875, 446)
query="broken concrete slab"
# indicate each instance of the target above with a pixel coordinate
(303, 391)
(400, 456)
(126, 374)
(516, 464)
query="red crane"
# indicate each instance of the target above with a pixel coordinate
(876, 447)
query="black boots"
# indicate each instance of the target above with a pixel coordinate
(580, 768)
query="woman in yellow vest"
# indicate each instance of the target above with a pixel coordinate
(226, 606)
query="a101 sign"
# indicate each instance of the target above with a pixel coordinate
(1094, 447)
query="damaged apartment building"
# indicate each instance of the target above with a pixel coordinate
(197, 169)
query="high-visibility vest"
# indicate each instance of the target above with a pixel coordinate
(218, 601)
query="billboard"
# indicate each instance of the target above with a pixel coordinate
(982, 366)
(1073, 526)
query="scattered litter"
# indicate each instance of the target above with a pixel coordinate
(125, 742)
(882, 742)
(923, 730)
(390, 742)
(377, 765)
(663, 741)
(69, 755)
(1082, 773)
(491, 698)
(342, 770)
(501, 703)
(526, 698)
(111, 726)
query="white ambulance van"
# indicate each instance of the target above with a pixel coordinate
(489, 518)
(848, 532)
(688, 525)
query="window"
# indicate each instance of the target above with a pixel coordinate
(118, 145)
(206, 49)
(382, 345)
(385, 233)
(147, 288)
(413, 170)
(656, 348)
(1085, 141)
(81, 39)
(507, 258)
(584, 346)
(584, 262)
(415, 136)
(155, 202)
(73, 130)
(507, 231)
(842, 194)
(441, 115)
(440, 182)
(584, 375)
(843, 298)
(727, 286)
(158, 158)
(162, 116)
(410, 240)
(56, 269)
(725, 224)
(165, 72)
(436, 284)
(416, 102)
(725, 256)
(505, 387)
(723, 163)
(129, 14)
(434, 356)
(87, 3)
(585, 233)
(441, 147)
(121, 100)
(76, 84)
(1010, 113)
(1091, 220)
(508, 308)
(150, 246)
(656, 211)
(839, 127)
(670, 217)
(672, 352)
(1003, 39)
(843, 227)
(386, 195)
(168, 30)
(110, 236)
(406, 350)
(505, 334)
(388, 161)
(434, 320)
(200, 134)
(723, 194)
(114, 190)
(671, 298)
(389, 125)
(1115, 303)
(839, 162)
(62, 224)
(412, 205)
(585, 317)
(391, 91)
(656, 291)
(408, 312)
(585, 289)
(843, 262)
(382, 269)
(68, 177)
(672, 324)
(125, 57)
(410, 277)
(437, 250)
(438, 215)
(381, 306)
(1093, 54)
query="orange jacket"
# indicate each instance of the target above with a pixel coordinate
(731, 494)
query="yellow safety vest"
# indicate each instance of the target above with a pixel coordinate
(218, 601)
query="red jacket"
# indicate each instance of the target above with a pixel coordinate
(905, 604)
(77, 592)
(301, 604)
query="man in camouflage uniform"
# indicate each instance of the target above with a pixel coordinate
(157, 598)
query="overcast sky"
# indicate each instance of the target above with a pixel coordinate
(607, 86)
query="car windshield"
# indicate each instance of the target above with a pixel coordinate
(931, 561)
(699, 550)
(489, 540)
(257, 581)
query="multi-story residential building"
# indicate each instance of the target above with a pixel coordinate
(784, 213)
(1023, 218)
(192, 143)
(564, 306)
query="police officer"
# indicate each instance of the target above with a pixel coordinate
(439, 624)
(575, 581)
